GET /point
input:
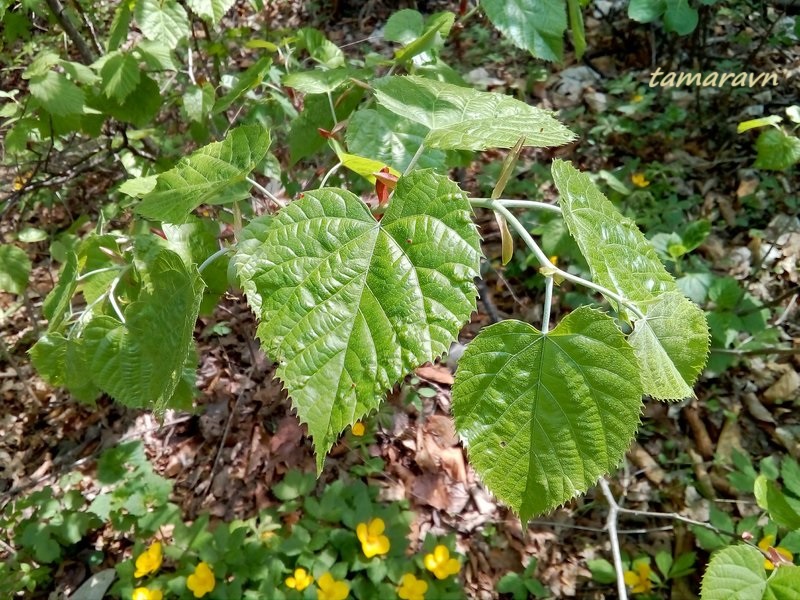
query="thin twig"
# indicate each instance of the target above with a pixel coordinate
(330, 172)
(533, 204)
(548, 299)
(611, 527)
(414, 159)
(266, 192)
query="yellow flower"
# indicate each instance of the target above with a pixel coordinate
(149, 561)
(440, 564)
(639, 580)
(766, 544)
(373, 542)
(358, 429)
(639, 180)
(300, 580)
(142, 593)
(330, 589)
(201, 582)
(412, 588)
(637, 98)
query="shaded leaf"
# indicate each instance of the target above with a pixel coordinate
(734, 573)
(214, 174)
(544, 416)
(162, 20)
(212, 10)
(537, 26)
(467, 119)
(15, 268)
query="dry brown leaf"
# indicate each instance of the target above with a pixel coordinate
(642, 459)
(785, 388)
(436, 374)
(730, 439)
(432, 490)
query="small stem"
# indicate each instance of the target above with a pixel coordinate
(265, 191)
(212, 258)
(98, 271)
(330, 172)
(26, 299)
(333, 110)
(414, 159)
(532, 204)
(548, 299)
(112, 288)
(611, 527)
(554, 270)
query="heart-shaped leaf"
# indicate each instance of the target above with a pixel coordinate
(544, 416)
(672, 341)
(214, 174)
(462, 118)
(348, 305)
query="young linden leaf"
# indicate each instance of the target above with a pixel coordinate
(164, 21)
(537, 26)
(56, 304)
(348, 305)
(213, 10)
(214, 174)
(140, 363)
(544, 416)
(15, 267)
(462, 118)
(671, 343)
(783, 584)
(735, 572)
(386, 137)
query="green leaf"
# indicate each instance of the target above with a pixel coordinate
(771, 499)
(783, 584)
(214, 174)
(213, 10)
(680, 17)
(198, 102)
(320, 48)
(57, 94)
(576, 26)
(790, 473)
(619, 256)
(537, 26)
(467, 119)
(544, 416)
(622, 260)
(776, 150)
(162, 20)
(316, 82)
(304, 136)
(671, 344)
(438, 27)
(404, 26)
(760, 122)
(138, 108)
(383, 136)
(138, 187)
(140, 363)
(15, 268)
(120, 76)
(646, 11)
(119, 26)
(349, 305)
(57, 304)
(735, 573)
(248, 80)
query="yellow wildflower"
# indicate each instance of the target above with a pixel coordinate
(202, 581)
(440, 564)
(639, 180)
(373, 542)
(766, 544)
(143, 593)
(637, 98)
(412, 588)
(300, 580)
(358, 429)
(149, 561)
(330, 589)
(639, 580)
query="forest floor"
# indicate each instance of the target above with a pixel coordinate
(244, 437)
